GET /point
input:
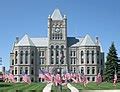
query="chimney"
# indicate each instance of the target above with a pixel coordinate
(17, 39)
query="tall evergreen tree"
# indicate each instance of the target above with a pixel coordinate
(111, 64)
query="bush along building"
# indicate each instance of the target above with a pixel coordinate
(79, 55)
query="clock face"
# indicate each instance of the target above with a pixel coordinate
(57, 30)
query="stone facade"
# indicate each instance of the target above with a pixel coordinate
(76, 55)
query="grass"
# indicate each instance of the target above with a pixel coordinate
(93, 86)
(20, 87)
(38, 87)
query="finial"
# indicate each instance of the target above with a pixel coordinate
(97, 40)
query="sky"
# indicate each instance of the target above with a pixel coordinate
(94, 17)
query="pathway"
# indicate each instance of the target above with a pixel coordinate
(48, 87)
(72, 88)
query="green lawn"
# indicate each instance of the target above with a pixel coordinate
(38, 87)
(93, 86)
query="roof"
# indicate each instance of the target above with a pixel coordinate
(43, 42)
(25, 41)
(56, 15)
(40, 42)
(88, 41)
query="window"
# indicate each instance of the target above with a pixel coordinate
(16, 53)
(62, 61)
(15, 70)
(97, 57)
(57, 53)
(93, 70)
(41, 53)
(87, 57)
(88, 70)
(70, 53)
(32, 54)
(32, 71)
(57, 60)
(92, 57)
(73, 53)
(74, 69)
(21, 57)
(20, 78)
(15, 61)
(61, 36)
(12, 61)
(16, 78)
(93, 78)
(32, 79)
(53, 36)
(82, 70)
(32, 61)
(71, 60)
(26, 70)
(52, 53)
(26, 57)
(42, 61)
(74, 60)
(52, 60)
(21, 69)
(82, 59)
(88, 78)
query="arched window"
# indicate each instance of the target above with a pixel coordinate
(53, 36)
(32, 53)
(16, 53)
(52, 50)
(60, 35)
(21, 69)
(82, 70)
(74, 70)
(98, 57)
(82, 58)
(21, 57)
(26, 57)
(12, 61)
(93, 70)
(88, 70)
(57, 50)
(87, 56)
(15, 70)
(93, 57)
(26, 70)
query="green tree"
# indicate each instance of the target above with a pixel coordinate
(111, 64)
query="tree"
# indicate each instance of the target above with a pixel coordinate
(111, 64)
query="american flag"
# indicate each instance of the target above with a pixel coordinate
(57, 79)
(84, 80)
(26, 78)
(1, 76)
(45, 75)
(115, 79)
(98, 78)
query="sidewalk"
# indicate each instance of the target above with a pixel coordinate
(48, 87)
(72, 88)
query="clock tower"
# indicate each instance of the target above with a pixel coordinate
(57, 36)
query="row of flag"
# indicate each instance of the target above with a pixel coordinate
(58, 79)
(9, 77)
(55, 78)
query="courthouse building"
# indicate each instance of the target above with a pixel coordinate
(79, 55)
